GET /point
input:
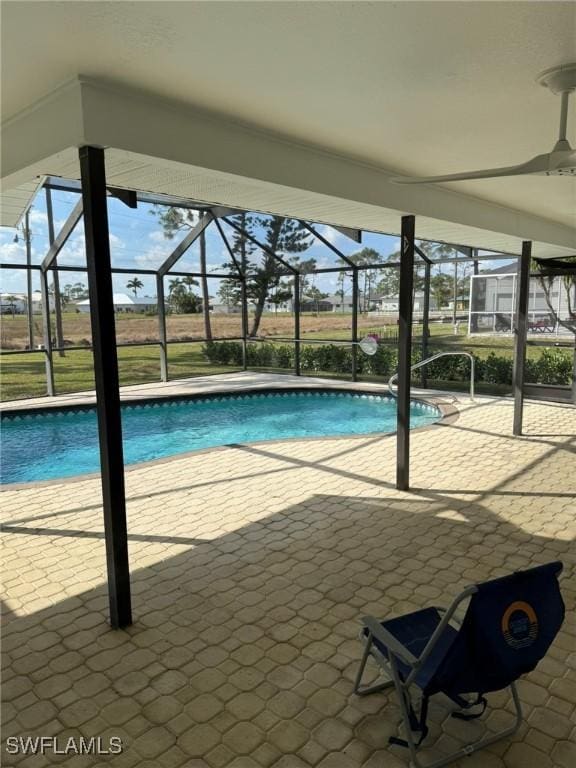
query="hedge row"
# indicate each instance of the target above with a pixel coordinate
(554, 366)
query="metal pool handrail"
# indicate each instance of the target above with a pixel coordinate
(429, 360)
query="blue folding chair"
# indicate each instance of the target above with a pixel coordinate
(508, 627)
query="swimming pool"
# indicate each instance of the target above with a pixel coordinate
(62, 443)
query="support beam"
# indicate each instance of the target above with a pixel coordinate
(461, 260)
(162, 328)
(297, 324)
(355, 302)
(353, 234)
(521, 333)
(29, 306)
(231, 253)
(183, 246)
(48, 357)
(426, 320)
(100, 288)
(473, 317)
(244, 301)
(328, 244)
(422, 255)
(55, 278)
(220, 211)
(405, 304)
(243, 293)
(126, 196)
(63, 235)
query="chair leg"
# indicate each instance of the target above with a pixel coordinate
(469, 749)
(357, 683)
(404, 708)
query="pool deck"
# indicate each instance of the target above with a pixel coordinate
(251, 567)
(227, 382)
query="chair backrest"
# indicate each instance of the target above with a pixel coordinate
(509, 625)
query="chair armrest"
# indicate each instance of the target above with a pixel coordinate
(386, 638)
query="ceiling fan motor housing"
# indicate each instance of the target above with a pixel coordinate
(560, 79)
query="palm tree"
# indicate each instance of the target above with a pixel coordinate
(189, 282)
(11, 304)
(134, 285)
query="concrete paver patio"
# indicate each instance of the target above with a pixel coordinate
(252, 566)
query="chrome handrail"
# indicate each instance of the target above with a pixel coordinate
(429, 360)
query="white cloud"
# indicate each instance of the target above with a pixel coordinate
(38, 217)
(152, 258)
(116, 242)
(332, 235)
(157, 236)
(12, 252)
(74, 252)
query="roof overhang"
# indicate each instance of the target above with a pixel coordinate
(168, 148)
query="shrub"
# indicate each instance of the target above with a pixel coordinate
(552, 367)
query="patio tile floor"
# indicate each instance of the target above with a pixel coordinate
(252, 566)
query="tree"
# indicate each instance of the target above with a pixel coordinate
(11, 304)
(174, 221)
(76, 292)
(181, 297)
(134, 285)
(341, 290)
(306, 268)
(568, 282)
(316, 295)
(281, 236)
(229, 292)
(363, 258)
(441, 289)
(281, 294)
(61, 297)
(437, 251)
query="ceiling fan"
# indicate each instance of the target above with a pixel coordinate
(561, 161)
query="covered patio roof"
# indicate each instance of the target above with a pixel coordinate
(163, 147)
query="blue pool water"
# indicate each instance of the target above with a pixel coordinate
(59, 444)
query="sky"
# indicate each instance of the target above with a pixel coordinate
(138, 241)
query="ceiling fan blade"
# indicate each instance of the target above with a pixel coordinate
(536, 165)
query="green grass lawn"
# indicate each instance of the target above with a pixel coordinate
(443, 338)
(24, 375)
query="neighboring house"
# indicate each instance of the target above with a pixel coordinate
(21, 302)
(12, 303)
(123, 302)
(269, 306)
(462, 302)
(226, 309)
(342, 303)
(494, 297)
(391, 303)
(312, 305)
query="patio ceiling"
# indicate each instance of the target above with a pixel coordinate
(299, 109)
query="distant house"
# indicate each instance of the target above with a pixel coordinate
(316, 305)
(125, 303)
(12, 303)
(226, 309)
(342, 303)
(19, 302)
(462, 302)
(391, 303)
